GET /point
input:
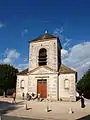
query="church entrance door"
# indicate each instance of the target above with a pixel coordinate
(42, 87)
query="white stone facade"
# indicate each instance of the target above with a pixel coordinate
(50, 46)
(19, 89)
(57, 87)
(51, 78)
(70, 92)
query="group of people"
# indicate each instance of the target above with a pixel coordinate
(33, 96)
(28, 96)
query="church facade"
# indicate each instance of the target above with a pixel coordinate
(46, 74)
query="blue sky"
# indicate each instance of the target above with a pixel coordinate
(23, 20)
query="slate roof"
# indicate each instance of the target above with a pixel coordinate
(24, 72)
(44, 36)
(65, 70)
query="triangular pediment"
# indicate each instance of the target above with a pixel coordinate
(42, 70)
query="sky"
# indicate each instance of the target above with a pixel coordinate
(24, 20)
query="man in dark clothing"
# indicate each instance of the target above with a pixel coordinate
(82, 101)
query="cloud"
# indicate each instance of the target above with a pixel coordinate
(1, 25)
(64, 54)
(59, 32)
(10, 56)
(6, 52)
(24, 32)
(26, 59)
(7, 60)
(66, 42)
(22, 66)
(0, 60)
(78, 57)
(13, 54)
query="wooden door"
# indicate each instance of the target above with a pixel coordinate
(42, 88)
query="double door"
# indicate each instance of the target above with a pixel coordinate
(42, 87)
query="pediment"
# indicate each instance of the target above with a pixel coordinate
(42, 70)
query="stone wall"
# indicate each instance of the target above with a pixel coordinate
(55, 85)
(67, 94)
(20, 90)
(52, 57)
(51, 85)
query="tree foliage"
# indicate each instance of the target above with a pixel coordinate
(83, 85)
(7, 76)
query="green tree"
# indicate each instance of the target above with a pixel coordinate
(7, 76)
(83, 85)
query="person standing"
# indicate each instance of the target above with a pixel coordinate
(14, 97)
(82, 101)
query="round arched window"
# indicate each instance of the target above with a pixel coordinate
(66, 84)
(42, 60)
(22, 84)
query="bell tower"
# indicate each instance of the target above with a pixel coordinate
(45, 50)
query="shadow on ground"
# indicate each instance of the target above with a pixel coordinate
(84, 118)
(4, 117)
(4, 105)
(7, 106)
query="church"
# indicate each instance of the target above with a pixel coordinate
(46, 74)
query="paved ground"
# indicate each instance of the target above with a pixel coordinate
(37, 110)
(5, 117)
(6, 103)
